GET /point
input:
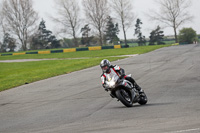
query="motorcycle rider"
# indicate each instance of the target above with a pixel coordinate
(110, 70)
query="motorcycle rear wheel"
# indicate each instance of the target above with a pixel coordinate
(124, 97)
(143, 99)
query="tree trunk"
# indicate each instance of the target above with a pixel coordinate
(175, 35)
(75, 39)
(125, 41)
(100, 37)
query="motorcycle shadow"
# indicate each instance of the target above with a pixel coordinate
(146, 105)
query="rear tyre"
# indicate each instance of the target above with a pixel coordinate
(143, 99)
(124, 97)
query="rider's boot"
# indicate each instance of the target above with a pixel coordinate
(138, 88)
(135, 84)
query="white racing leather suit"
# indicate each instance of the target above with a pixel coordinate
(117, 72)
(114, 72)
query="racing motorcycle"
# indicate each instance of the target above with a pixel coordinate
(125, 92)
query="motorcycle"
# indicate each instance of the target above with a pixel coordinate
(125, 92)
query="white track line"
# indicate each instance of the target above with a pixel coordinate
(188, 130)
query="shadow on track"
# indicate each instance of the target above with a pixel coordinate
(146, 105)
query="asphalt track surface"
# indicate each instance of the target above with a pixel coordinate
(77, 103)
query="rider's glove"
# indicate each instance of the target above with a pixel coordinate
(106, 89)
(121, 76)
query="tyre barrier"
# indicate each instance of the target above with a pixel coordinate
(68, 50)
(175, 44)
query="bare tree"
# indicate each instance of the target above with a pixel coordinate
(96, 14)
(20, 19)
(123, 10)
(172, 13)
(2, 25)
(69, 17)
(3, 31)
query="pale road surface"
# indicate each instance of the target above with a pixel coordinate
(77, 103)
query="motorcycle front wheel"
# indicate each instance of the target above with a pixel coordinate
(124, 97)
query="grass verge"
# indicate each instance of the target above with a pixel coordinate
(16, 74)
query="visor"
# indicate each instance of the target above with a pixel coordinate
(104, 67)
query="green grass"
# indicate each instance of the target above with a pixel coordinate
(16, 74)
(136, 44)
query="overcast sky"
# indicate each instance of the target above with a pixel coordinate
(47, 7)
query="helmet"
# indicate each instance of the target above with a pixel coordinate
(105, 65)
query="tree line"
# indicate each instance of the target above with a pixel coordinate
(19, 23)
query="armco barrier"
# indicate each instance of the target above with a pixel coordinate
(69, 50)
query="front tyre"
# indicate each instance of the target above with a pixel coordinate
(124, 97)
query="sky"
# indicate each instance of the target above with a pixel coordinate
(46, 8)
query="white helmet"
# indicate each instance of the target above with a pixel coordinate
(105, 65)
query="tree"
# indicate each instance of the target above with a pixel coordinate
(141, 39)
(54, 43)
(20, 19)
(4, 46)
(44, 34)
(111, 31)
(67, 43)
(8, 43)
(152, 38)
(85, 35)
(173, 13)
(96, 14)
(44, 38)
(156, 36)
(41, 38)
(187, 35)
(124, 14)
(2, 25)
(69, 17)
(0, 46)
